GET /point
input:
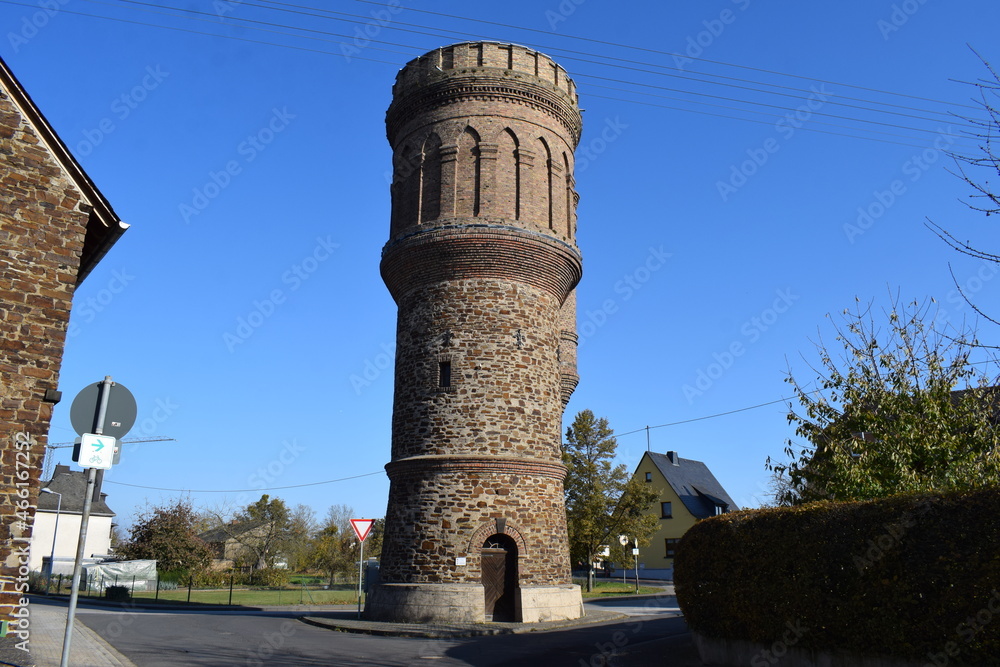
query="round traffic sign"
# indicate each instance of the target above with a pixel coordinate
(120, 416)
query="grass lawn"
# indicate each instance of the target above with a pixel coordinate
(605, 588)
(256, 597)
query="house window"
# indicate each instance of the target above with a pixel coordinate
(649, 477)
(671, 544)
(665, 511)
(444, 374)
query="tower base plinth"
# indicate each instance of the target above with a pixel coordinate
(464, 603)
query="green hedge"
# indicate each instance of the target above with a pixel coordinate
(268, 577)
(914, 577)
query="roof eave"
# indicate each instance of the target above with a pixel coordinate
(104, 227)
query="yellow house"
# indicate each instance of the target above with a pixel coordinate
(688, 491)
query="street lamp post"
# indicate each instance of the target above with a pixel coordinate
(55, 536)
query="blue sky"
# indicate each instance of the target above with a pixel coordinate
(244, 308)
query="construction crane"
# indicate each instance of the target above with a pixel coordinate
(50, 456)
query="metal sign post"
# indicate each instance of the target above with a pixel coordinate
(361, 528)
(361, 565)
(97, 451)
(635, 552)
(623, 540)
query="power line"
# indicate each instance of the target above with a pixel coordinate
(406, 46)
(669, 53)
(718, 414)
(270, 488)
(380, 472)
(685, 76)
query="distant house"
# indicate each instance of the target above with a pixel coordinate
(688, 492)
(237, 544)
(71, 484)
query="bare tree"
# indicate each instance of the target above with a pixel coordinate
(977, 169)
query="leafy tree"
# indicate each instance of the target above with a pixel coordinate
(335, 546)
(296, 543)
(602, 500)
(261, 528)
(167, 535)
(900, 409)
(373, 544)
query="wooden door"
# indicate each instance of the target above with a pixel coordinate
(499, 577)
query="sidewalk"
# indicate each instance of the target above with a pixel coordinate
(347, 621)
(88, 649)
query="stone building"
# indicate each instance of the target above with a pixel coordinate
(482, 263)
(55, 226)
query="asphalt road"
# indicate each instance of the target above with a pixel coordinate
(653, 635)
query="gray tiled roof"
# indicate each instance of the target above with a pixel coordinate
(694, 484)
(72, 484)
(229, 531)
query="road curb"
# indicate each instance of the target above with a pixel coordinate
(455, 631)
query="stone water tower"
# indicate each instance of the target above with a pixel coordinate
(482, 263)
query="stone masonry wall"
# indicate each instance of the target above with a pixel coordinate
(447, 514)
(481, 261)
(42, 229)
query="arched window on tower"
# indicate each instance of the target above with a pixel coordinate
(430, 179)
(544, 166)
(467, 182)
(568, 173)
(406, 188)
(508, 190)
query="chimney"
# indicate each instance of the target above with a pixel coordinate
(674, 459)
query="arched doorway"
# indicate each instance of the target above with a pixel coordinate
(499, 577)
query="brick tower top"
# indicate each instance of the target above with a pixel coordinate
(443, 71)
(483, 133)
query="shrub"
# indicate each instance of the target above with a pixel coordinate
(37, 582)
(911, 576)
(271, 577)
(117, 593)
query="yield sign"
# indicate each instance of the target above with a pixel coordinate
(362, 527)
